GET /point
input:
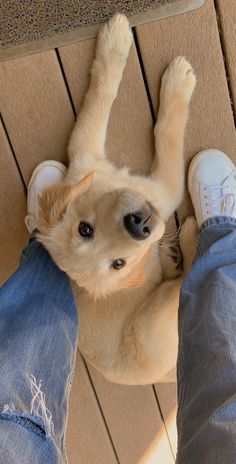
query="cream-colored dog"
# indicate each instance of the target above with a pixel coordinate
(102, 226)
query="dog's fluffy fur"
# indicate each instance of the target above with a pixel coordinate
(128, 317)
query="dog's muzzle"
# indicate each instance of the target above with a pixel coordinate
(140, 223)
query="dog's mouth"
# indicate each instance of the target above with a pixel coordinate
(95, 287)
(96, 292)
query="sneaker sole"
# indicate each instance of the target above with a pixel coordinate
(200, 155)
(55, 164)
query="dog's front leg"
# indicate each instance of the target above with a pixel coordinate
(177, 86)
(89, 133)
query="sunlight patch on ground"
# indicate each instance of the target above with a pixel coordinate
(159, 451)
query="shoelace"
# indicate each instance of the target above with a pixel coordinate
(218, 202)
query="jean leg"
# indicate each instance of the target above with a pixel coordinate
(206, 419)
(38, 340)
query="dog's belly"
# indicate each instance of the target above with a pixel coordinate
(102, 323)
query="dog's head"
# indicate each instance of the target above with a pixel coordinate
(101, 238)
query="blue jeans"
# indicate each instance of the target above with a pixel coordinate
(38, 338)
(207, 350)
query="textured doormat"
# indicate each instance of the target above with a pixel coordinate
(28, 26)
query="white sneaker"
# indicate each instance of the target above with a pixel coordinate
(212, 185)
(45, 174)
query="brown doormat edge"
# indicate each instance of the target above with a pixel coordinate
(88, 32)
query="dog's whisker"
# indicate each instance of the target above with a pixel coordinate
(169, 237)
(167, 245)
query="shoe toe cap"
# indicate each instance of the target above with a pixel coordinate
(210, 168)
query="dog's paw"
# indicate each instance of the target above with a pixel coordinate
(179, 80)
(171, 262)
(188, 242)
(116, 36)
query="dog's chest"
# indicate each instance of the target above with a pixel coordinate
(102, 322)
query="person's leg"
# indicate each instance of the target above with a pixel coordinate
(206, 419)
(207, 350)
(38, 339)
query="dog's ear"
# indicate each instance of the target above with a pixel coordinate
(56, 198)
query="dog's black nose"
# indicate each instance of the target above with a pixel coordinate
(138, 225)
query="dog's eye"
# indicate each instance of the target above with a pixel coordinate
(85, 230)
(118, 263)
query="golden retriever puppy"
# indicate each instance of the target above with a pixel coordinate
(102, 225)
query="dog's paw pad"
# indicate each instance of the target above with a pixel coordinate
(176, 257)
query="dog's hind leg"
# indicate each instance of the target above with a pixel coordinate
(87, 142)
(148, 346)
(177, 86)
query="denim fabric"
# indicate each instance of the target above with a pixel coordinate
(38, 339)
(207, 350)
